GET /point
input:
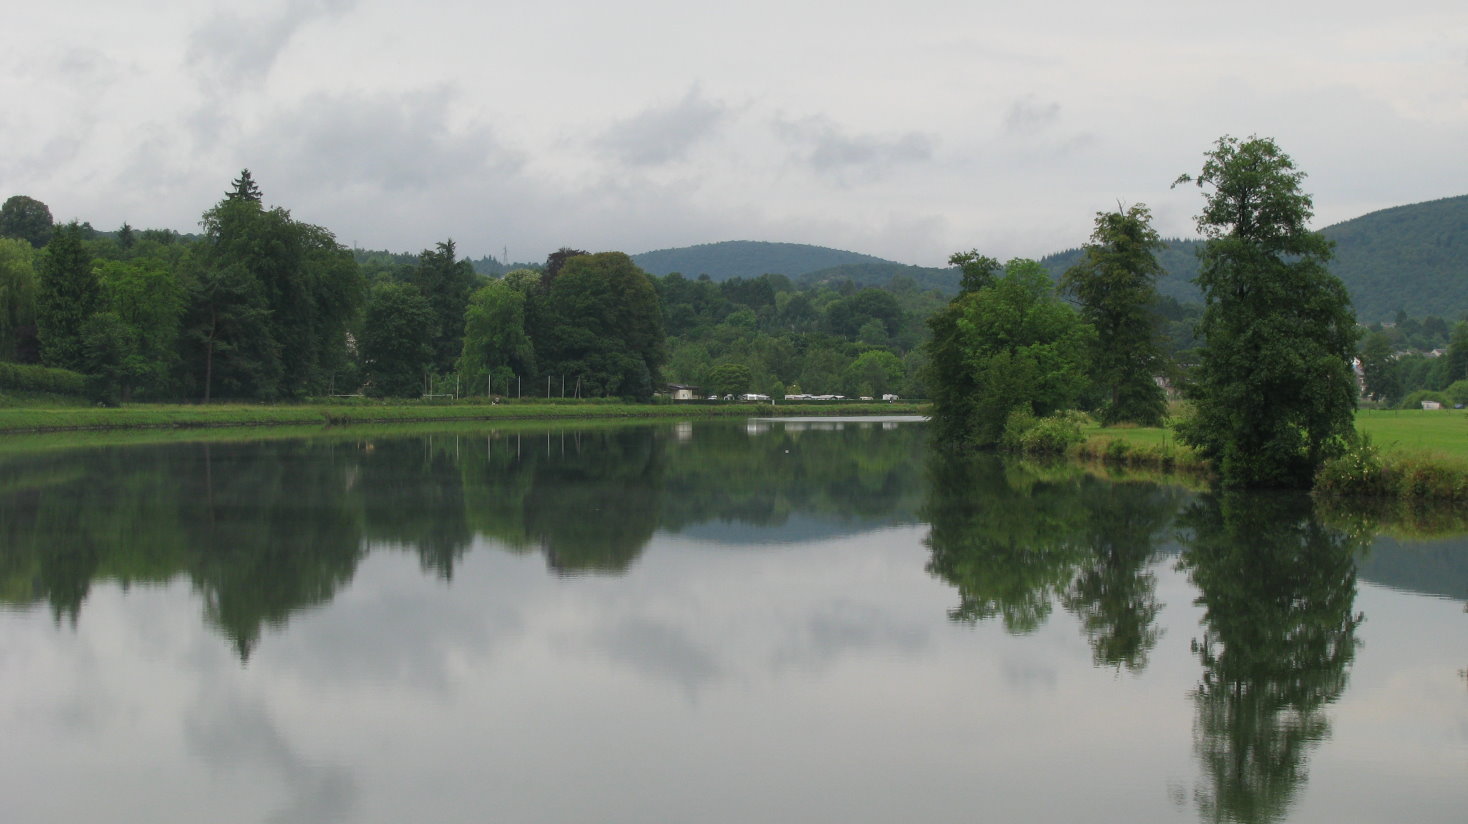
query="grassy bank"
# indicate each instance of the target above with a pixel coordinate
(35, 419)
(1409, 455)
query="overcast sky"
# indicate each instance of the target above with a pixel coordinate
(906, 130)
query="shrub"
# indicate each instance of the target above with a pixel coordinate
(1358, 471)
(1414, 400)
(28, 378)
(1052, 435)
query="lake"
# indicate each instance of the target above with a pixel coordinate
(769, 620)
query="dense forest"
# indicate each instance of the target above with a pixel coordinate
(260, 306)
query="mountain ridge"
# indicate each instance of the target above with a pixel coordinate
(1412, 258)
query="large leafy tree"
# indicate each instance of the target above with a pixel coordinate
(27, 219)
(496, 345)
(69, 294)
(1007, 345)
(1115, 285)
(396, 340)
(446, 282)
(145, 302)
(1273, 387)
(270, 302)
(600, 324)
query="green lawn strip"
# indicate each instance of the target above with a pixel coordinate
(37, 420)
(1418, 432)
(1427, 432)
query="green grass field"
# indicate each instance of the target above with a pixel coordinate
(1441, 433)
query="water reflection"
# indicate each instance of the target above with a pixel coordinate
(1279, 635)
(1277, 587)
(1016, 538)
(264, 530)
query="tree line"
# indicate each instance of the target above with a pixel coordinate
(260, 306)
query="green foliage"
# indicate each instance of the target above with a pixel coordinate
(1009, 345)
(446, 282)
(1457, 392)
(243, 188)
(1381, 373)
(873, 374)
(1114, 283)
(1273, 388)
(17, 293)
(979, 271)
(68, 295)
(30, 378)
(147, 302)
(599, 324)
(1414, 400)
(270, 301)
(894, 277)
(729, 379)
(396, 342)
(1455, 368)
(495, 341)
(1051, 435)
(107, 344)
(27, 219)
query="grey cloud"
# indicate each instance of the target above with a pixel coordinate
(828, 150)
(232, 733)
(845, 628)
(234, 50)
(1028, 116)
(665, 133)
(395, 145)
(661, 651)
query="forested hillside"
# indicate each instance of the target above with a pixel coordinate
(1412, 258)
(883, 275)
(747, 259)
(1408, 258)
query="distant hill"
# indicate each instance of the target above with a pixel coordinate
(748, 259)
(882, 274)
(1408, 257)
(1413, 258)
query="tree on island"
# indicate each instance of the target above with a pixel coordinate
(1273, 389)
(1005, 344)
(1115, 284)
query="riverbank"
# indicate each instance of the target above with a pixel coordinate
(47, 419)
(1406, 455)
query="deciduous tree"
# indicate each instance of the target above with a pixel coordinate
(1273, 388)
(27, 219)
(1001, 347)
(1115, 285)
(68, 296)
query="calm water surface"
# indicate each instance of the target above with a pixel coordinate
(713, 622)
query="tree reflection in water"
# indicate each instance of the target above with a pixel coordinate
(1279, 634)
(263, 530)
(1014, 539)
